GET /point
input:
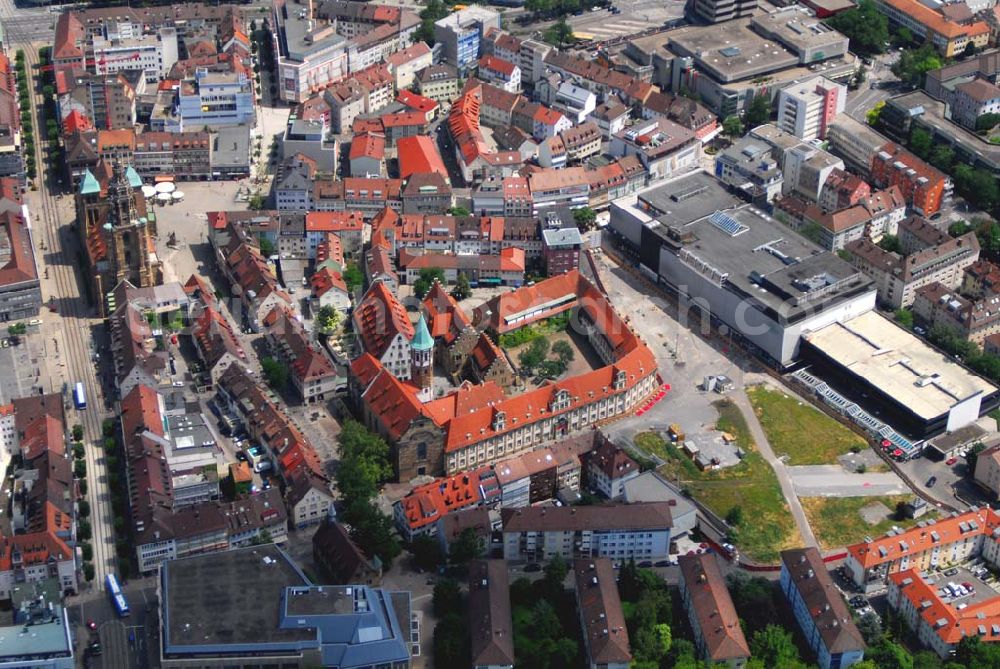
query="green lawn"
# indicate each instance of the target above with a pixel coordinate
(837, 521)
(767, 527)
(803, 433)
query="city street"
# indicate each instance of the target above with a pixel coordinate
(880, 85)
(75, 328)
(126, 643)
(29, 24)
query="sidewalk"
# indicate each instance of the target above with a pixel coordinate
(787, 488)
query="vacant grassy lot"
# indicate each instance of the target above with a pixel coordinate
(803, 433)
(767, 526)
(837, 521)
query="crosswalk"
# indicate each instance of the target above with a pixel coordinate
(611, 29)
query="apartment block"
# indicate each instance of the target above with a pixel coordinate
(928, 256)
(820, 610)
(718, 635)
(806, 109)
(619, 532)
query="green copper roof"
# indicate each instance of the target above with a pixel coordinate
(331, 265)
(89, 185)
(422, 337)
(134, 180)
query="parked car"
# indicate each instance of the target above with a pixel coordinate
(951, 572)
(931, 481)
(951, 461)
(532, 567)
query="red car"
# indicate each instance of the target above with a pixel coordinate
(951, 461)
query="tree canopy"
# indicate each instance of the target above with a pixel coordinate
(426, 279)
(759, 110)
(462, 289)
(353, 276)
(865, 26)
(913, 64)
(327, 319)
(275, 372)
(559, 33)
(732, 126)
(584, 217)
(468, 546)
(364, 466)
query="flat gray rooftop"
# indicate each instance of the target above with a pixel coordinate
(229, 598)
(759, 257)
(321, 601)
(932, 113)
(295, 28)
(190, 431)
(735, 53)
(38, 641)
(689, 198)
(799, 29)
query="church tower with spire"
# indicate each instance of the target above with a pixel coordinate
(422, 360)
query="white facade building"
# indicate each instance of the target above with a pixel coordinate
(216, 98)
(806, 109)
(154, 54)
(576, 102)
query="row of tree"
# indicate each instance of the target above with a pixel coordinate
(975, 184)
(27, 122)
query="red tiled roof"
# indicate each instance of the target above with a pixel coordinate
(445, 318)
(401, 119)
(416, 102)
(419, 155)
(495, 64)
(43, 435)
(396, 405)
(547, 115)
(326, 279)
(919, 539)
(979, 619)
(140, 410)
(363, 125)
(334, 221)
(411, 52)
(368, 145)
(379, 318)
(427, 503)
(76, 121)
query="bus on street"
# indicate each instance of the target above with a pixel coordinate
(121, 604)
(79, 398)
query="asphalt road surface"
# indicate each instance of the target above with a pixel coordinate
(126, 643)
(27, 24)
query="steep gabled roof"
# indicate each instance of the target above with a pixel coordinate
(379, 318)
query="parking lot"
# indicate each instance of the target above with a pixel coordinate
(952, 484)
(630, 17)
(29, 362)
